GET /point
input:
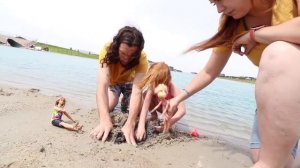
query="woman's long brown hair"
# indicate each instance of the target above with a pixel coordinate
(130, 36)
(227, 30)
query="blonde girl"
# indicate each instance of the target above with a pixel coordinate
(58, 112)
(158, 90)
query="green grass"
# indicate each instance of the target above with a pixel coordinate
(239, 80)
(67, 51)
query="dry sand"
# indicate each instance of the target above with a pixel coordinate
(28, 139)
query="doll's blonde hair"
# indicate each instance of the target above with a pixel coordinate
(158, 73)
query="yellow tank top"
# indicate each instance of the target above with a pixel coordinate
(282, 11)
(121, 75)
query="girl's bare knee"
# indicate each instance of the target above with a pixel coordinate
(275, 61)
(275, 53)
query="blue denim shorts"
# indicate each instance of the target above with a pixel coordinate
(125, 89)
(255, 139)
(57, 123)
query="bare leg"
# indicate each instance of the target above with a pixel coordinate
(278, 101)
(255, 144)
(255, 157)
(70, 126)
(113, 99)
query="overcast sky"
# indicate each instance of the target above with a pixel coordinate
(169, 27)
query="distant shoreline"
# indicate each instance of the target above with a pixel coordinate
(71, 52)
(251, 81)
(87, 54)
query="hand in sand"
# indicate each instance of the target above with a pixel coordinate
(128, 131)
(167, 126)
(140, 133)
(102, 130)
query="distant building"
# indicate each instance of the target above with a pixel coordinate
(222, 75)
(3, 39)
(16, 41)
(171, 68)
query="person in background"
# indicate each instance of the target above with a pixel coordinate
(267, 32)
(58, 112)
(122, 64)
(159, 89)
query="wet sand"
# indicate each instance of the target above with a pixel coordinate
(28, 139)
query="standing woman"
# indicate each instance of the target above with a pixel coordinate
(269, 31)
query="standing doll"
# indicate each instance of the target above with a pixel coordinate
(158, 90)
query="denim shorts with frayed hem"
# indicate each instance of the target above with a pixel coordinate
(255, 139)
(57, 123)
(126, 90)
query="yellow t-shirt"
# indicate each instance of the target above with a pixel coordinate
(118, 73)
(282, 11)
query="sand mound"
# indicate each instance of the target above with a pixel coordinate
(153, 136)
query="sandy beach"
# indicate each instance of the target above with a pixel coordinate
(28, 139)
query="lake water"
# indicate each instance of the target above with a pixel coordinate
(224, 109)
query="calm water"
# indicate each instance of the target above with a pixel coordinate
(224, 109)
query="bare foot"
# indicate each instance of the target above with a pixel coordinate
(78, 127)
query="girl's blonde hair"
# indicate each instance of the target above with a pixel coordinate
(158, 73)
(57, 101)
(227, 31)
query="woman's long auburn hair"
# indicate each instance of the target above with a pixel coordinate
(227, 30)
(158, 73)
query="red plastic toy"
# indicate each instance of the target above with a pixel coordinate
(195, 133)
